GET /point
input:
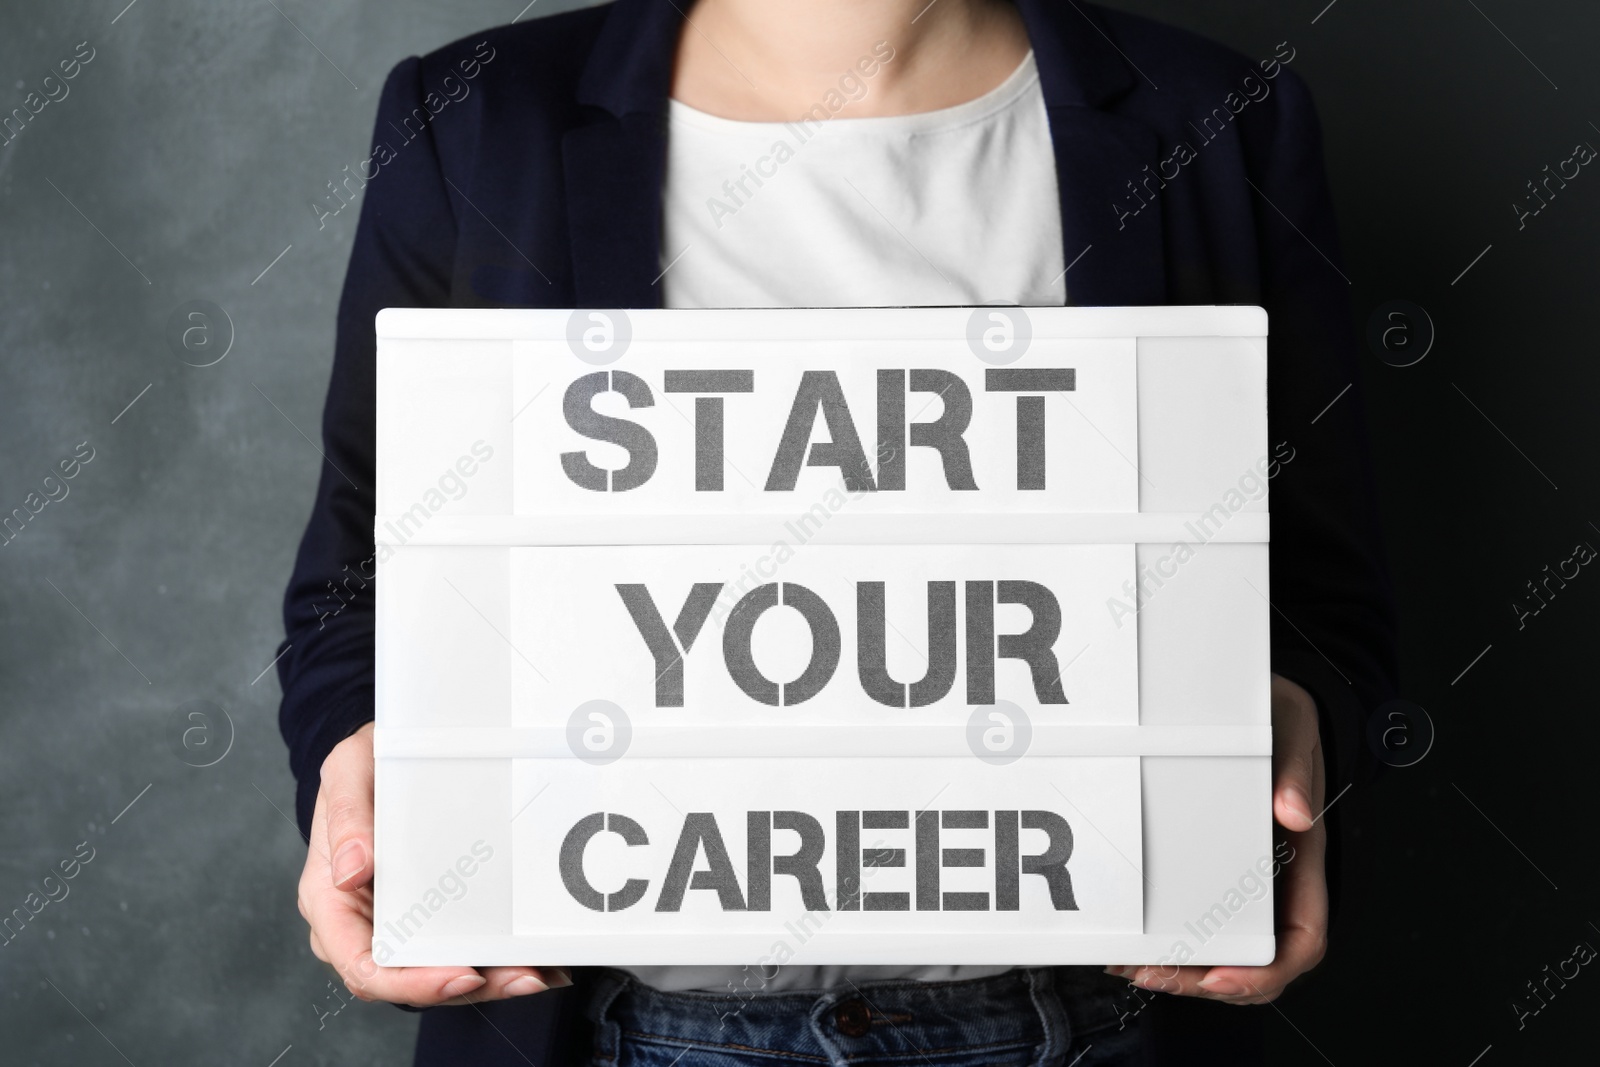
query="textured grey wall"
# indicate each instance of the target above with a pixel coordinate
(177, 167)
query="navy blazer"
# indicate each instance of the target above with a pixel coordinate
(1188, 175)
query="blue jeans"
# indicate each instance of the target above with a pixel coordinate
(1065, 1017)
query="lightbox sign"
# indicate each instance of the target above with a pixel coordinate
(841, 636)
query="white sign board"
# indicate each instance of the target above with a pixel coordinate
(933, 635)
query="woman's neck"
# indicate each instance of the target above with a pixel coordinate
(773, 60)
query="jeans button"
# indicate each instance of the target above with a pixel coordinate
(852, 1018)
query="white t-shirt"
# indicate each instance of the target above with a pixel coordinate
(956, 206)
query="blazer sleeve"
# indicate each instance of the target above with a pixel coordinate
(1333, 624)
(403, 254)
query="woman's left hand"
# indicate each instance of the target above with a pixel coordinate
(1297, 804)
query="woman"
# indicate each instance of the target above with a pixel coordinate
(956, 152)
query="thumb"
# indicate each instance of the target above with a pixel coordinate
(1296, 752)
(347, 790)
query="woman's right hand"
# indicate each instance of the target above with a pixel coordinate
(336, 899)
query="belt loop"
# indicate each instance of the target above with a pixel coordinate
(609, 985)
(1052, 1017)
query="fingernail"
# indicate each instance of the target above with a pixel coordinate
(1223, 987)
(1150, 980)
(1298, 803)
(462, 985)
(558, 977)
(521, 987)
(1119, 972)
(348, 861)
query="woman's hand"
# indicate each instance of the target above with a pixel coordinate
(336, 899)
(1297, 804)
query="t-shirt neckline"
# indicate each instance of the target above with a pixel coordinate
(1016, 86)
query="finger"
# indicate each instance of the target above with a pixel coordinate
(341, 932)
(313, 877)
(1303, 925)
(347, 779)
(1164, 978)
(1298, 784)
(1296, 749)
(342, 925)
(1232, 985)
(1297, 791)
(1319, 781)
(1302, 929)
(504, 983)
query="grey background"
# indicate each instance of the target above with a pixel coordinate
(182, 164)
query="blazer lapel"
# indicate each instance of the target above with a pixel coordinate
(1114, 253)
(615, 165)
(1097, 157)
(614, 171)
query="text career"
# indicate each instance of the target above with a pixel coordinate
(819, 393)
(927, 857)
